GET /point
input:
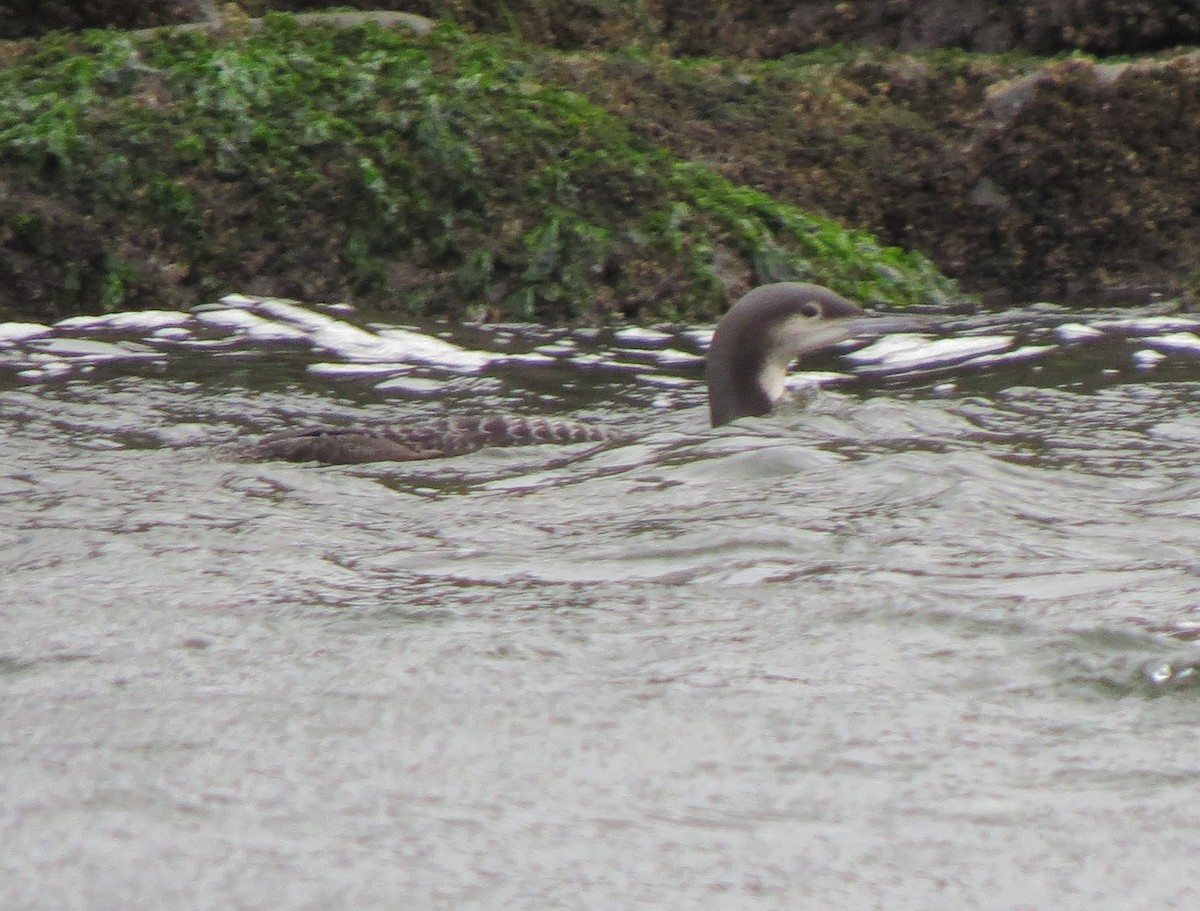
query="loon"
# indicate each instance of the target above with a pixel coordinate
(751, 349)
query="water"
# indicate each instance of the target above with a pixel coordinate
(925, 642)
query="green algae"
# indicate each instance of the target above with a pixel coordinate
(1018, 175)
(445, 174)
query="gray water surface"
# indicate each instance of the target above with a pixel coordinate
(924, 642)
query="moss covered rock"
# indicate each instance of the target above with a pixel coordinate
(436, 174)
(1019, 176)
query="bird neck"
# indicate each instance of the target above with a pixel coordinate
(743, 379)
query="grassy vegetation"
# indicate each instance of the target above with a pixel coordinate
(438, 175)
(870, 137)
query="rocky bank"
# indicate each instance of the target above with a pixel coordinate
(937, 127)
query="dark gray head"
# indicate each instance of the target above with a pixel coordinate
(764, 332)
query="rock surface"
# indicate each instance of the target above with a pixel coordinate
(1018, 176)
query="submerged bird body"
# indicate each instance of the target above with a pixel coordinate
(751, 350)
(423, 439)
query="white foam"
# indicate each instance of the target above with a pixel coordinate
(1175, 341)
(1184, 431)
(675, 356)
(239, 300)
(638, 335)
(655, 379)
(888, 346)
(413, 385)
(431, 350)
(78, 322)
(807, 379)
(91, 350)
(129, 321)
(48, 370)
(250, 325)
(1076, 332)
(293, 313)
(559, 349)
(532, 358)
(16, 332)
(597, 360)
(1024, 353)
(1147, 324)
(906, 351)
(229, 319)
(352, 371)
(355, 344)
(1146, 358)
(227, 343)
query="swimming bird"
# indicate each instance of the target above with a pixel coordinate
(751, 349)
(758, 338)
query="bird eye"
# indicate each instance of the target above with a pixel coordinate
(810, 310)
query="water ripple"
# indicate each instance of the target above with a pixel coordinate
(938, 616)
